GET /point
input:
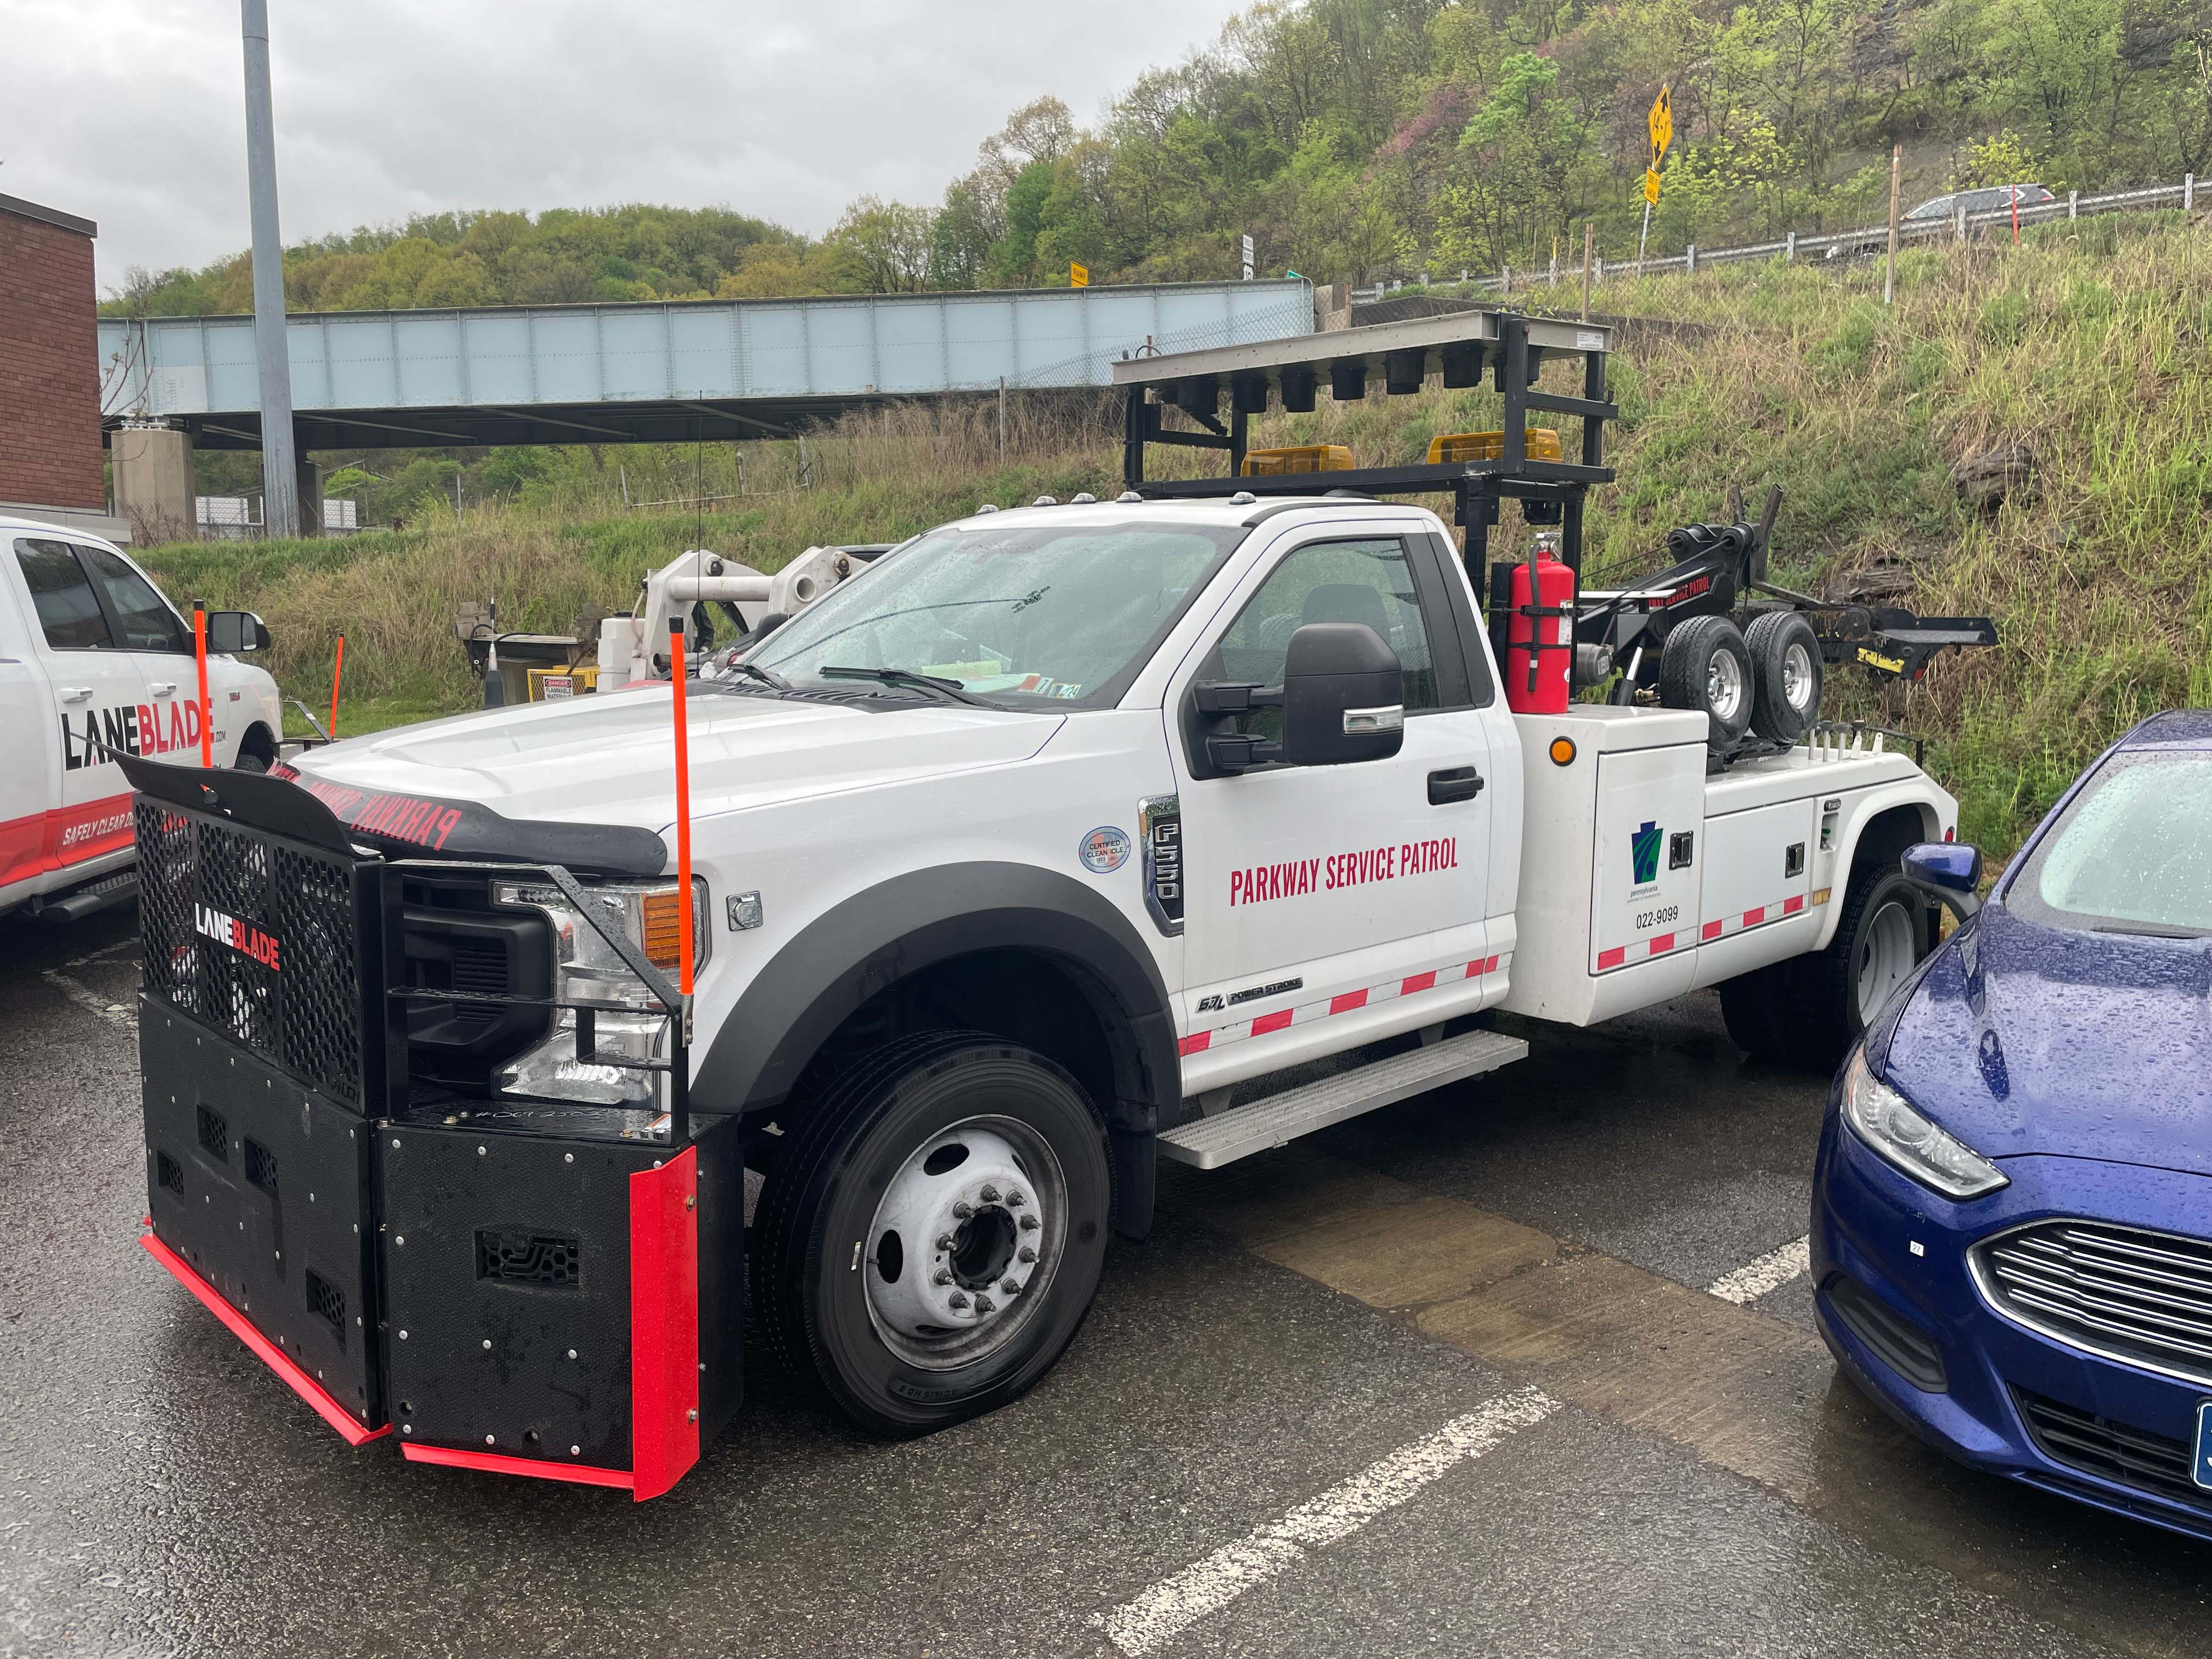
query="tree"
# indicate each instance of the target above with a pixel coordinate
(890, 242)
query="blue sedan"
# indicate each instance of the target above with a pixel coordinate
(2012, 1210)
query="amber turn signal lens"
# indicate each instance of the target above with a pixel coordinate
(663, 928)
(1563, 754)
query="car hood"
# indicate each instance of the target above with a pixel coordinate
(610, 758)
(2023, 1039)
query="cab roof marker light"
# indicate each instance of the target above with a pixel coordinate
(1045, 501)
(1082, 498)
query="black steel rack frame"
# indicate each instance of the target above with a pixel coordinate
(1511, 348)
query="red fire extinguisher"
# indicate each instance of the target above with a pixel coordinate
(1543, 687)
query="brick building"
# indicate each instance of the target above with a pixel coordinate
(50, 441)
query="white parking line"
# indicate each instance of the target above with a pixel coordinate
(90, 1000)
(1771, 1272)
(1171, 1606)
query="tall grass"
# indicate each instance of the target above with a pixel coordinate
(2092, 345)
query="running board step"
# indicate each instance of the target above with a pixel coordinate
(1278, 1120)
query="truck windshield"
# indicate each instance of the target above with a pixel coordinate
(1020, 615)
(2133, 853)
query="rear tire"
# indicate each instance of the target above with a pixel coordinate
(1885, 931)
(1706, 666)
(1753, 1008)
(1786, 671)
(871, 1280)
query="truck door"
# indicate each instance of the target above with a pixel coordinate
(1316, 893)
(160, 642)
(96, 695)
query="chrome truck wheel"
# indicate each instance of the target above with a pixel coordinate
(963, 1246)
(928, 1243)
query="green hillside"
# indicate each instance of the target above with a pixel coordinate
(2092, 351)
(1361, 138)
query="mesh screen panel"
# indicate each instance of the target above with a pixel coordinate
(259, 938)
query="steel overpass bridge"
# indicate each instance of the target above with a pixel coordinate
(674, 372)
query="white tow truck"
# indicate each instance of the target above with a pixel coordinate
(1025, 854)
(94, 662)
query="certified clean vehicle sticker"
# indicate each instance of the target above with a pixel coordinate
(1104, 850)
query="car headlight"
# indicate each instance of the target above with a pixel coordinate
(1903, 1137)
(627, 1022)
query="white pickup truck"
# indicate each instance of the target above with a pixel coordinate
(95, 661)
(1025, 856)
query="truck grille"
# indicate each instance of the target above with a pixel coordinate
(2115, 1291)
(2097, 1446)
(256, 938)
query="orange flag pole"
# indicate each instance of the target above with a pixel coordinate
(335, 669)
(676, 641)
(199, 658)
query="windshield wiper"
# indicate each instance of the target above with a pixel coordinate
(2151, 930)
(951, 690)
(765, 676)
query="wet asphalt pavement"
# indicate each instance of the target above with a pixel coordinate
(1200, 1476)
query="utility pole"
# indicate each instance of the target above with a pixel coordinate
(1889, 274)
(280, 473)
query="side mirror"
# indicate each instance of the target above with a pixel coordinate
(231, 632)
(1344, 696)
(1949, 872)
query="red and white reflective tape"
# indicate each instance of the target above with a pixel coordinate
(1661, 944)
(1199, 1043)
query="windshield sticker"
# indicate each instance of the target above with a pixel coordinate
(1265, 883)
(1104, 850)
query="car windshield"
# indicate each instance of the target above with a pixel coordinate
(1023, 615)
(2132, 853)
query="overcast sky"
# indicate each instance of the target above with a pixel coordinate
(128, 112)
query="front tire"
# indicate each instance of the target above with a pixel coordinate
(1885, 931)
(928, 1244)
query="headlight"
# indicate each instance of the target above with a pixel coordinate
(588, 971)
(1887, 1122)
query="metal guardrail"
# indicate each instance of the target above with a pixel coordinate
(1871, 239)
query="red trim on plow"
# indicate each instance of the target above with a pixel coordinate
(493, 1463)
(268, 1353)
(663, 1324)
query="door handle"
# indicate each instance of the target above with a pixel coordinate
(163, 688)
(75, 693)
(1453, 784)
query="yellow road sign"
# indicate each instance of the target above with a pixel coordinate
(1651, 186)
(1078, 276)
(1661, 123)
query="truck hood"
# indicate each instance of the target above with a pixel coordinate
(610, 758)
(2023, 1039)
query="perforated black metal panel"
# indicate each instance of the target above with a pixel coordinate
(270, 943)
(262, 1187)
(505, 1261)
